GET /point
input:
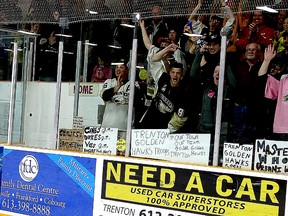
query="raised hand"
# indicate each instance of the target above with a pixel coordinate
(200, 2)
(252, 27)
(142, 24)
(269, 53)
(119, 83)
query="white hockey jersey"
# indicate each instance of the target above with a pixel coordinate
(116, 109)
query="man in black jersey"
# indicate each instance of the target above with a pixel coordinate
(169, 106)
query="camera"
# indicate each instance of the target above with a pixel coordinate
(202, 42)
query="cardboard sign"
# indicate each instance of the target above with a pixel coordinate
(237, 156)
(42, 183)
(147, 188)
(271, 156)
(160, 144)
(100, 140)
(71, 139)
(77, 122)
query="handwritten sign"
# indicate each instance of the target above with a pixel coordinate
(191, 148)
(237, 156)
(149, 143)
(271, 156)
(100, 140)
(71, 139)
(160, 144)
(77, 122)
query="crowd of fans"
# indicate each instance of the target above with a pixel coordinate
(184, 66)
(182, 60)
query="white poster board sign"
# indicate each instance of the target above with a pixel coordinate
(271, 156)
(100, 140)
(237, 156)
(160, 144)
(191, 148)
(150, 143)
(77, 122)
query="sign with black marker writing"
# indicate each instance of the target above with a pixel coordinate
(100, 140)
(271, 156)
(77, 122)
(160, 144)
(71, 139)
(237, 156)
(192, 148)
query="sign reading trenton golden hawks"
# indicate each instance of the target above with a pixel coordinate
(160, 144)
(211, 192)
(71, 139)
(237, 156)
(271, 156)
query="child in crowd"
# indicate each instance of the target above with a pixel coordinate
(102, 70)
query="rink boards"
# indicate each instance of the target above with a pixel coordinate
(48, 182)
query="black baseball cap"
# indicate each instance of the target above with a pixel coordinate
(214, 38)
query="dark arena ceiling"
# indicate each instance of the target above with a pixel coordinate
(73, 11)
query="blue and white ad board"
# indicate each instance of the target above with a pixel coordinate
(43, 182)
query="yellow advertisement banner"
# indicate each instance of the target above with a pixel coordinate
(187, 201)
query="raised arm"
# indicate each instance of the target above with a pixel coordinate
(145, 36)
(159, 55)
(193, 15)
(269, 54)
(227, 9)
(227, 29)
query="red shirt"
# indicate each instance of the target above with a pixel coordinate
(264, 36)
(100, 74)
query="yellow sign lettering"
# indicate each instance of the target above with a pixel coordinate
(264, 191)
(111, 170)
(195, 182)
(129, 173)
(163, 176)
(147, 175)
(219, 185)
(246, 184)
